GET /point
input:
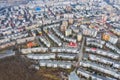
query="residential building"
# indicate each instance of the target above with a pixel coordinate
(100, 68)
(55, 64)
(111, 38)
(68, 32)
(41, 56)
(79, 37)
(34, 50)
(66, 55)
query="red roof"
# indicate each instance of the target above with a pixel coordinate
(72, 44)
(93, 49)
(30, 44)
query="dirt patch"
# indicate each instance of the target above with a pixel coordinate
(16, 68)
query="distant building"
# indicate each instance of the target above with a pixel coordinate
(34, 50)
(68, 32)
(68, 16)
(79, 36)
(111, 38)
(41, 56)
(55, 64)
(116, 31)
(90, 32)
(64, 26)
(71, 21)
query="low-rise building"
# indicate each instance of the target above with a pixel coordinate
(100, 69)
(90, 32)
(103, 53)
(66, 55)
(116, 31)
(41, 56)
(104, 61)
(68, 32)
(55, 39)
(54, 64)
(64, 26)
(45, 41)
(68, 16)
(32, 27)
(111, 38)
(7, 44)
(26, 39)
(2, 41)
(89, 75)
(34, 50)
(88, 39)
(59, 34)
(112, 47)
(71, 21)
(94, 44)
(64, 49)
(79, 37)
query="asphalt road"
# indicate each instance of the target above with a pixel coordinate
(80, 54)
